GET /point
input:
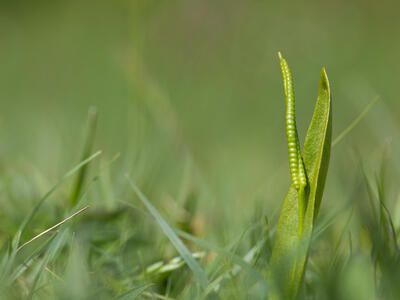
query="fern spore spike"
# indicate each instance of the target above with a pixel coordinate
(296, 165)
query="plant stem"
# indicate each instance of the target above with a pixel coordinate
(302, 201)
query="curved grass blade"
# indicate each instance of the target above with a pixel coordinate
(61, 181)
(8, 260)
(355, 122)
(134, 293)
(30, 260)
(213, 285)
(87, 149)
(198, 272)
(290, 251)
(227, 254)
(55, 247)
(51, 228)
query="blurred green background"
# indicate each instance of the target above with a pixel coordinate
(199, 81)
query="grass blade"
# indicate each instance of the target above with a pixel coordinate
(198, 272)
(355, 122)
(61, 181)
(228, 255)
(51, 228)
(134, 293)
(55, 246)
(91, 131)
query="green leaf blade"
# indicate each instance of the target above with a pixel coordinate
(317, 145)
(198, 272)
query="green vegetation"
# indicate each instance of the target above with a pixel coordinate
(143, 152)
(300, 209)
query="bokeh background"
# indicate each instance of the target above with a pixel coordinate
(195, 85)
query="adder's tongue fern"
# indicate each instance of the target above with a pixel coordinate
(296, 165)
(308, 171)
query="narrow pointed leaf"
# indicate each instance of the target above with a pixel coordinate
(198, 272)
(91, 132)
